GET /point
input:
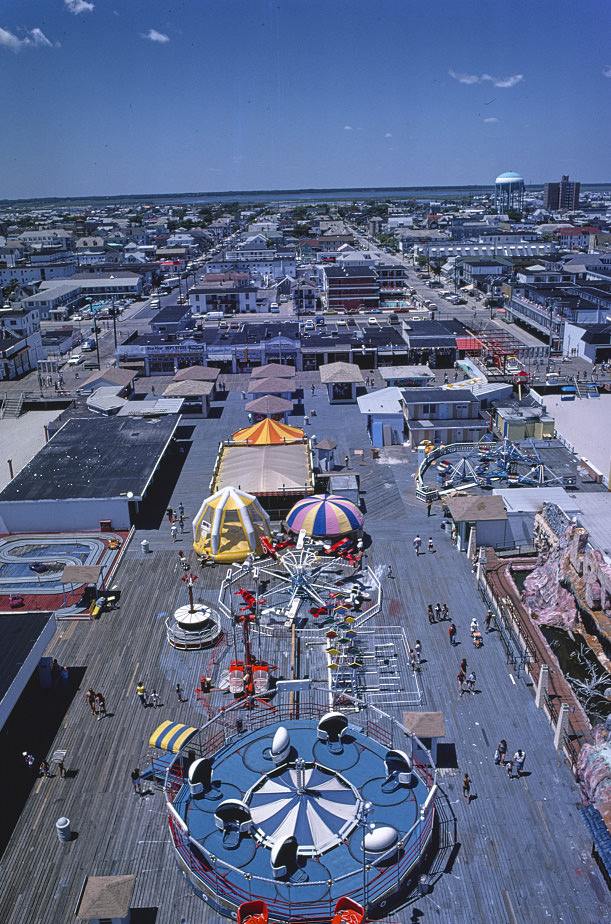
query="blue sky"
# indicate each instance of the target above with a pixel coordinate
(145, 96)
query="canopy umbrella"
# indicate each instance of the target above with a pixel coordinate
(268, 432)
(324, 515)
(307, 802)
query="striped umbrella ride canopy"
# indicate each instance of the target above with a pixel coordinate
(315, 805)
(325, 515)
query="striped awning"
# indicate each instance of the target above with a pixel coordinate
(171, 736)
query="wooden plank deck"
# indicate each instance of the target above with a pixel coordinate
(518, 853)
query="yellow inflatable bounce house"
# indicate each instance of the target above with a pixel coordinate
(229, 525)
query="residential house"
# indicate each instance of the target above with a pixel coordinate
(20, 341)
(442, 416)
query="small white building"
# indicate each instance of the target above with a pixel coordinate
(385, 419)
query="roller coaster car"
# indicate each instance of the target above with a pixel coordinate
(348, 912)
(253, 912)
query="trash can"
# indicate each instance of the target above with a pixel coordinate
(44, 673)
(63, 829)
(144, 545)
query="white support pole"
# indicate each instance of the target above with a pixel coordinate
(562, 726)
(542, 687)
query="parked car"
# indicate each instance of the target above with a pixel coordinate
(76, 359)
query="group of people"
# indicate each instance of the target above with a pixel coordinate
(96, 703)
(437, 613)
(466, 681)
(152, 698)
(43, 769)
(417, 542)
(176, 522)
(500, 757)
(415, 655)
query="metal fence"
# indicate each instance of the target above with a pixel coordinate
(519, 650)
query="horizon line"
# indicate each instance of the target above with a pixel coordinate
(273, 193)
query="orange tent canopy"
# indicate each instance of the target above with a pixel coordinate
(267, 432)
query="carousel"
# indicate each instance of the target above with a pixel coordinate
(301, 813)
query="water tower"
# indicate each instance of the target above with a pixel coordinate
(508, 193)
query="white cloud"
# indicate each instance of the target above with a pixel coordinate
(8, 40)
(464, 78)
(388, 135)
(505, 81)
(39, 38)
(347, 128)
(511, 81)
(78, 6)
(155, 36)
(607, 70)
(35, 37)
(491, 119)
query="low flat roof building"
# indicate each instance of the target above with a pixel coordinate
(92, 469)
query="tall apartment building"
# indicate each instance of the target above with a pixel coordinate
(562, 196)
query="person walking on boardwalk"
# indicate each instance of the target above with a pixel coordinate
(141, 693)
(179, 693)
(100, 704)
(466, 787)
(471, 681)
(44, 768)
(431, 544)
(429, 505)
(452, 634)
(445, 613)
(463, 666)
(438, 612)
(181, 510)
(461, 680)
(431, 614)
(170, 514)
(412, 657)
(417, 543)
(418, 652)
(173, 532)
(518, 758)
(509, 766)
(181, 523)
(501, 751)
(90, 700)
(487, 621)
(61, 769)
(135, 776)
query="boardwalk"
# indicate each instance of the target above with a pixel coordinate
(519, 853)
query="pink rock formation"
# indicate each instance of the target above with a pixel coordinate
(544, 598)
(595, 765)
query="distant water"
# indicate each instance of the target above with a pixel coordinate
(358, 194)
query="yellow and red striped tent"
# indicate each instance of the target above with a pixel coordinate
(268, 432)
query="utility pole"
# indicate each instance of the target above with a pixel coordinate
(95, 331)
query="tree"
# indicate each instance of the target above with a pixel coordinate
(299, 213)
